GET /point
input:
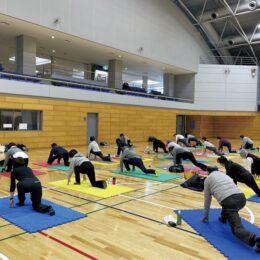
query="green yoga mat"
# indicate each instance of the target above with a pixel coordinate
(59, 167)
(162, 177)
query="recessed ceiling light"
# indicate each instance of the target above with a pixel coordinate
(53, 37)
(53, 51)
(119, 56)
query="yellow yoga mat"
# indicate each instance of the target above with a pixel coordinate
(248, 192)
(147, 159)
(104, 164)
(85, 187)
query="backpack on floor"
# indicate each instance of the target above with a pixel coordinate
(176, 168)
(196, 183)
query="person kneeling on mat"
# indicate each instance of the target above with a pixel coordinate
(58, 152)
(255, 166)
(93, 148)
(80, 164)
(209, 146)
(27, 183)
(157, 144)
(129, 157)
(180, 153)
(193, 138)
(231, 199)
(247, 143)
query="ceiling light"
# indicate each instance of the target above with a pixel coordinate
(53, 37)
(119, 56)
(53, 51)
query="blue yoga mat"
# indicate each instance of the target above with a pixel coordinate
(254, 198)
(220, 235)
(32, 221)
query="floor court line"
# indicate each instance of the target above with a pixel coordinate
(67, 245)
(251, 214)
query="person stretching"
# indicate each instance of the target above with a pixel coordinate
(193, 138)
(209, 146)
(239, 174)
(224, 143)
(180, 153)
(58, 152)
(93, 148)
(232, 200)
(247, 143)
(255, 166)
(27, 183)
(80, 164)
(180, 139)
(157, 144)
(129, 157)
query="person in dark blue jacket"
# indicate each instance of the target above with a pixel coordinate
(58, 152)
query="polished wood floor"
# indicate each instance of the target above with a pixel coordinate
(128, 226)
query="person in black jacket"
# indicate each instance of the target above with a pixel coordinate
(58, 152)
(157, 144)
(27, 183)
(255, 166)
(239, 174)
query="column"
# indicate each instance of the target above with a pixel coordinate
(26, 55)
(89, 71)
(115, 74)
(168, 84)
(145, 83)
(4, 61)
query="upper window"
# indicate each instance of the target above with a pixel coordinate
(20, 120)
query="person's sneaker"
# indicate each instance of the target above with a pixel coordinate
(20, 204)
(222, 219)
(104, 184)
(156, 173)
(76, 183)
(51, 211)
(257, 244)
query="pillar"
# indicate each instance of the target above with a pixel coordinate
(115, 74)
(26, 55)
(145, 82)
(168, 84)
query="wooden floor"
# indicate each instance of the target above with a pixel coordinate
(128, 226)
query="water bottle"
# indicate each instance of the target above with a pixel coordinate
(179, 218)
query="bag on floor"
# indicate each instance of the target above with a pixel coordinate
(176, 168)
(196, 183)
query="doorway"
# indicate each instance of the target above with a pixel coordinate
(92, 126)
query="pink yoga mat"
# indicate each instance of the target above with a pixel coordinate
(36, 173)
(44, 164)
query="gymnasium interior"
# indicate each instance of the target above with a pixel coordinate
(142, 69)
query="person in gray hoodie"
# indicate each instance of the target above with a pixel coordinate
(80, 164)
(129, 157)
(232, 200)
(181, 153)
(12, 153)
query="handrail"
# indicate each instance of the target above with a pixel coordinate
(93, 86)
(228, 60)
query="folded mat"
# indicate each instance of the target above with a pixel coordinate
(219, 235)
(162, 177)
(32, 221)
(85, 187)
(35, 172)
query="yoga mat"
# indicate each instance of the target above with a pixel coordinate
(167, 157)
(104, 163)
(163, 177)
(144, 159)
(32, 221)
(59, 167)
(44, 164)
(250, 195)
(36, 173)
(254, 198)
(85, 187)
(219, 235)
(186, 169)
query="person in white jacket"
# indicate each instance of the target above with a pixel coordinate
(93, 148)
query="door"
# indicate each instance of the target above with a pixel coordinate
(180, 124)
(92, 126)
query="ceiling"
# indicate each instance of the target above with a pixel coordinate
(230, 27)
(79, 50)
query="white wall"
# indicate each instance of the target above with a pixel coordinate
(156, 25)
(226, 88)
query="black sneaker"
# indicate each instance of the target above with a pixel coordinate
(20, 204)
(104, 184)
(257, 244)
(51, 211)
